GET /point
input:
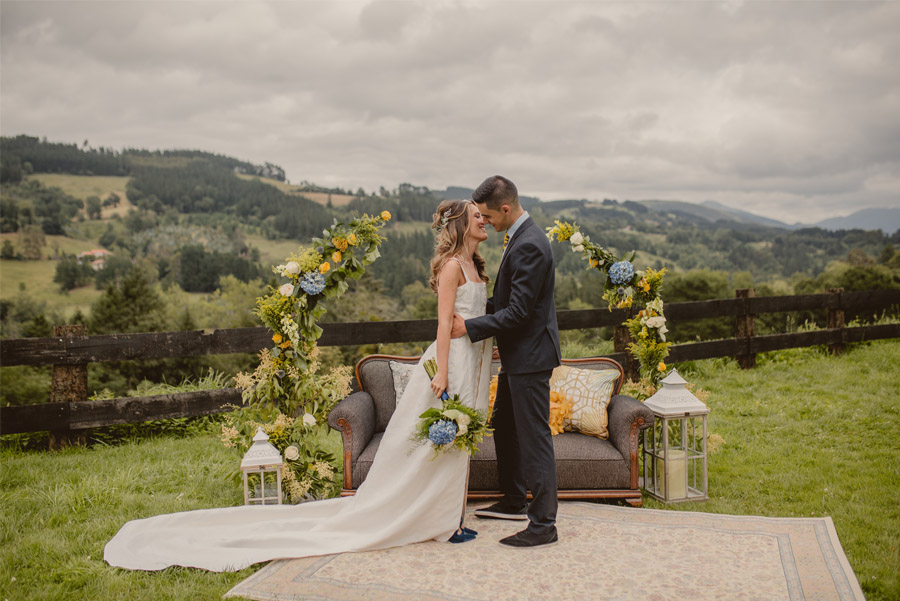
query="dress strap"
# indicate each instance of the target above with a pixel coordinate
(465, 275)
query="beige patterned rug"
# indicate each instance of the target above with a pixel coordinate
(605, 552)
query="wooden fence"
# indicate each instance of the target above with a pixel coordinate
(69, 353)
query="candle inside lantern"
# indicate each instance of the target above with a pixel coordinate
(671, 467)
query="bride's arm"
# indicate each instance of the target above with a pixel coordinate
(448, 282)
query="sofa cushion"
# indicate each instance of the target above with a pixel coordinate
(582, 463)
(589, 392)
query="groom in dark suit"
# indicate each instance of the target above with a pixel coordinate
(522, 316)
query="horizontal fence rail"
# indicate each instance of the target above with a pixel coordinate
(81, 350)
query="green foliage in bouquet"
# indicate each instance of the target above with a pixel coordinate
(624, 287)
(286, 394)
(453, 425)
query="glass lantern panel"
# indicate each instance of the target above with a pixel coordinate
(254, 486)
(271, 486)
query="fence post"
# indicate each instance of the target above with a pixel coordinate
(68, 384)
(621, 338)
(836, 320)
(745, 326)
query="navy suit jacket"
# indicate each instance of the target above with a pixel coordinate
(522, 312)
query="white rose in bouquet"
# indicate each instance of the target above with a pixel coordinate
(293, 267)
(577, 239)
(578, 248)
(286, 289)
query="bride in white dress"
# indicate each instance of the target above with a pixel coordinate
(408, 496)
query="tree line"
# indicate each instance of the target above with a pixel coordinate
(22, 155)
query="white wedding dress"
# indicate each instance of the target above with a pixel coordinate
(407, 497)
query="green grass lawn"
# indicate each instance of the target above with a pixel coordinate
(806, 434)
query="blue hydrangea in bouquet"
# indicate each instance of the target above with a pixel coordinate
(453, 425)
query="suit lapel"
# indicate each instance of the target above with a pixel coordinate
(512, 241)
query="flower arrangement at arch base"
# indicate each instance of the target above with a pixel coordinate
(624, 287)
(288, 395)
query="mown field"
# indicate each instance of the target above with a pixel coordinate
(338, 200)
(37, 277)
(806, 434)
(83, 186)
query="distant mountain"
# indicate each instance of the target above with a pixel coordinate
(886, 220)
(745, 216)
(710, 211)
(460, 193)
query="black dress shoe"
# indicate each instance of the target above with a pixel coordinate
(502, 512)
(527, 539)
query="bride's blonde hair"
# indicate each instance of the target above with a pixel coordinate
(452, 223)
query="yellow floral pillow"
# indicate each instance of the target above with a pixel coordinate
(560, 407)
(589, 392)
(560, 410)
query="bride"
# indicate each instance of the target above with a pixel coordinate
(408, 496)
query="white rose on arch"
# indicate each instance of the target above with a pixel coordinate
(292, 453)
(309, 419)
(656, 322)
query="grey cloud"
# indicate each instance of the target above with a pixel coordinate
(789, 109)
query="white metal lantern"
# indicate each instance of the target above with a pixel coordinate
(261, 467)
(675, 447)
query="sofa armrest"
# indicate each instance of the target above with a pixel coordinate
(354, 416)
(626, 414)
(626, 418)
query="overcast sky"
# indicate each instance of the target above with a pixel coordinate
(786, 109)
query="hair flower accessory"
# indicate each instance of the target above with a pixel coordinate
(445, 219)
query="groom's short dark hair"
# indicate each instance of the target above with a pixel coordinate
(495, 192)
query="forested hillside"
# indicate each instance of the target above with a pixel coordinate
(191, 245)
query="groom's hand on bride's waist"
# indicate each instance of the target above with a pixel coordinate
(458, 329)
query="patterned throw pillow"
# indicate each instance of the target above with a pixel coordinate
(560, 407)
(589, 392)
(401, 373)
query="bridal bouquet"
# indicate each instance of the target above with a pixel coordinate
(452, 425)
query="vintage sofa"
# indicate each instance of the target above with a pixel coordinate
(587, 467)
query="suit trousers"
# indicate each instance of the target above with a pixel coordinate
(524, 444)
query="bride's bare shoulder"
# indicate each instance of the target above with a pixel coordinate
(451, 273)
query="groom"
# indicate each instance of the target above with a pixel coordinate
(522, 316)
